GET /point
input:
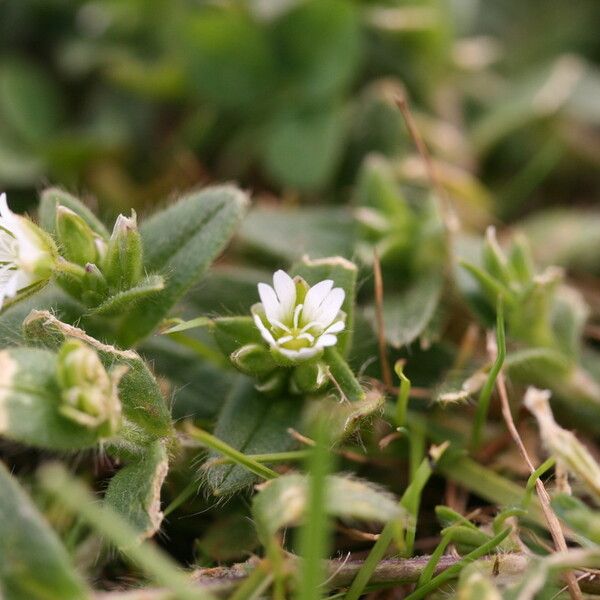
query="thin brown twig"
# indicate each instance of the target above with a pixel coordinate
(553, 523)
(386, 370)
(446, 206)
(222, 581)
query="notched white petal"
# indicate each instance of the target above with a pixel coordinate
(331, 306)
(286, 291)
(269, 301)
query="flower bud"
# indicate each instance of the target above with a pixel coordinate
(309, 377)
(254, 360)
(123, 266)
(89, 393)
(76, 237)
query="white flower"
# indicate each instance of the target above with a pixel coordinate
(26, 253)
(297, 321)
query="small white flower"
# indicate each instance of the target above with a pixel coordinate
(297, 321)
(26, 253)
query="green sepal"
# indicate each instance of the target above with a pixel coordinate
(51, 198)
(76, 238)
(253, 359)
(232, 333)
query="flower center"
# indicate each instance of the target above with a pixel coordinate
(294, 334)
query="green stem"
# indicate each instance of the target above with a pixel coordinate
(210, 441)
(315, 533)
(454, 570)
(275, 457)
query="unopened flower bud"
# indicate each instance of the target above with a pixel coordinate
(309, 377)
(76, 237)
(89, 393)
(254, 360)
(123, 266)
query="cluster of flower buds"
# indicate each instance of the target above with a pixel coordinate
(401, 233)
(528, 297)
(97, 267)
(89, 393)
(295, 324)
(90, 265)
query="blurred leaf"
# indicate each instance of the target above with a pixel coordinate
(569, 237)
(407, 314)
(230, 538)
(198, 388)
(228, 58)
(253, 424)
(29, 101)
(180, 242)
(302, 148)
(317, 44)
(282, 502)
(344, 274)
(18, 167)
(34, 565)
(135, 490)
(288, 234)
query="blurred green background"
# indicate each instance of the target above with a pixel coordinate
(129, 101)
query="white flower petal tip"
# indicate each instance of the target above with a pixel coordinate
(298, 326)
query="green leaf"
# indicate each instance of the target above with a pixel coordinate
(180, 242)
(134, 491)
(33, 562)
(288, 234)
(282, 502)
(30, 401)
(407, 314)
(51, 298)
(253, 424)
(120, 302)
(227, 57)
(343, 273)
(140, 395)
(49, 201)
(302, 148)
(321, 64)
(29, 101)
